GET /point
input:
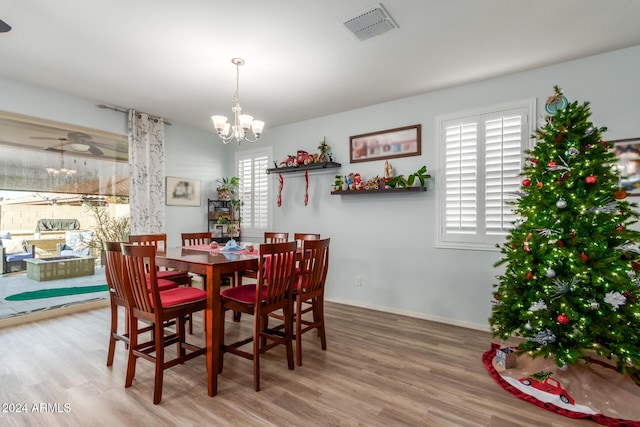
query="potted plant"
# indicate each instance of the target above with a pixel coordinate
(400, 181)
(227, 187)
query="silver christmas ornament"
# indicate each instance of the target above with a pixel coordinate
(561, 204)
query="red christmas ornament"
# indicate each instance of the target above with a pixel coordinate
(563, 319)
(551, 164)
(572, 235)
(584, 257)
(526, 182)
(591, 179)
(529, 275)
(560, 243)
(539, 184)
(533, 160)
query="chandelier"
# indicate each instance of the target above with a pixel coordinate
(242, 123)
(62, 171)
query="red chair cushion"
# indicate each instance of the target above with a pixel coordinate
(179, 296)
(244, 293)
(163, 285)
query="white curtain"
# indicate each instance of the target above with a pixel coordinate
(146, 173)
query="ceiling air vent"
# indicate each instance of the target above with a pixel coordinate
(370, 23)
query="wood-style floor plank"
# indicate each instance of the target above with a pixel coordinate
(379, 369)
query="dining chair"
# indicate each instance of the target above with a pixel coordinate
(199, 238)
(276, 275)
(299, 237)
(269, 237)
(157, 308)
(205, 238)
(159, 240)
(114, 271)
(117, 296)
(309, 290)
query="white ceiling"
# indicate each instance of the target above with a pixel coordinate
(173, 58)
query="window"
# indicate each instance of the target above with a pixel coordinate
(481, 154)
(254, 192)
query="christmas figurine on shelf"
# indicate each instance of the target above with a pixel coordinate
(569, 285)
(324, 150)
(338, 183)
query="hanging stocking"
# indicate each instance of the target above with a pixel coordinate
(281, 179)
(306, 188)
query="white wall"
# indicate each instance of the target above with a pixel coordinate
(386, 239)
(389, 239)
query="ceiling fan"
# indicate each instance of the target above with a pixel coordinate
(4, 27)
(78, 141)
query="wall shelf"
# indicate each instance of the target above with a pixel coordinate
(379, 191)
(302, 168)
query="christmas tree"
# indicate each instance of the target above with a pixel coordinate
(569, 286)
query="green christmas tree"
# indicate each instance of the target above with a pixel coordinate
(569, 286)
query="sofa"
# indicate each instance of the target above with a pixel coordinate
(76, 243)
(13, 252)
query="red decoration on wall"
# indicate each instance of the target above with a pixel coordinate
(306, 188)
(281, 179)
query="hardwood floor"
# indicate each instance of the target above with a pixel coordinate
(379, 369)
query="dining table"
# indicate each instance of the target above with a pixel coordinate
(212, 264)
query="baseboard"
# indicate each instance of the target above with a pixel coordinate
(55, 312)
(444, 320)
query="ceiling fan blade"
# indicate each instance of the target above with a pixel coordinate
(4, 27)
(95, 150)
(46, 138)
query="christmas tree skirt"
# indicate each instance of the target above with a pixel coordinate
(599, 392)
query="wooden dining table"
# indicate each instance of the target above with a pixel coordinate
(212, 265)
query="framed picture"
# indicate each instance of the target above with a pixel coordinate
(183, 191)
(627, 152)
(386, 144)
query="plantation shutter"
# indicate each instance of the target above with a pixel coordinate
(482, 157)
(503, 163)
(461, 172)
(254, 193)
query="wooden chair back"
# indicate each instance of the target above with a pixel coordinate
(299, 237)
(201, 238)
(159, 240)
(276, 272)
(314, 266)
(275, 237)
(118, 296)
(114, 272)
(140, 264)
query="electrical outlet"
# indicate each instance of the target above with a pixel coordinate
(358, 280)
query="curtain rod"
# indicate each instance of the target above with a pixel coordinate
(122, 110)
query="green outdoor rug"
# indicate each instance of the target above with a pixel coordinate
(56, 292)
